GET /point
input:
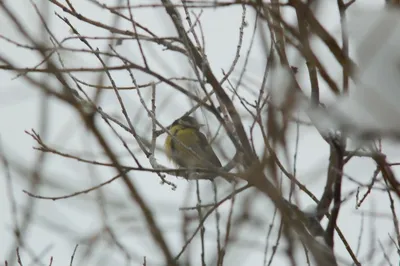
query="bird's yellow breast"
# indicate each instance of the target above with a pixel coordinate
(187, 136)
(168, 141)
(185, 155)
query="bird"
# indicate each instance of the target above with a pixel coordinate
(188, 147)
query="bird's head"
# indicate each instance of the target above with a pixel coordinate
(187, 121)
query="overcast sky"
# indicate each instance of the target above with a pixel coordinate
(21, 106)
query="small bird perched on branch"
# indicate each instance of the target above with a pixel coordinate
(189, 148)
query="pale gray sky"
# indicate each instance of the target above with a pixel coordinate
(20, 110)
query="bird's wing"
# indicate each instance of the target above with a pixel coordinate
(206, 150)
(197, 142)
